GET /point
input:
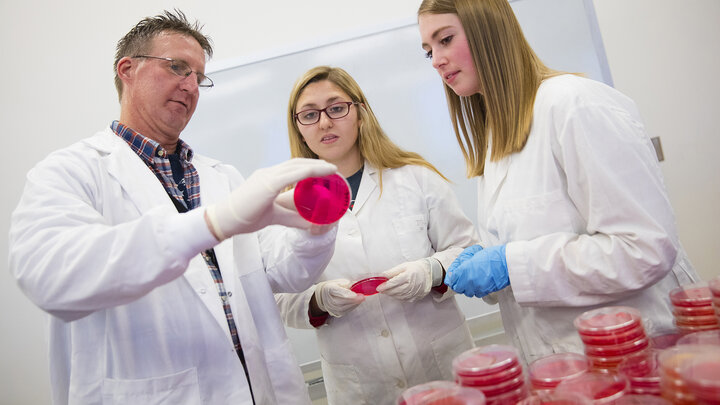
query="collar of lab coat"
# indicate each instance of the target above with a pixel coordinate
(146, 192)
(368, 183)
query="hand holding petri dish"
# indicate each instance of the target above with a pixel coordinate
(322, 200)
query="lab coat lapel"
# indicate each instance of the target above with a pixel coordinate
(368, 184)
(493, 178)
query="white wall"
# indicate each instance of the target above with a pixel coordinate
(57, 70)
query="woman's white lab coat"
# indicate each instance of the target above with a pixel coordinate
(134, 320)
(586, 218)
(376, 351)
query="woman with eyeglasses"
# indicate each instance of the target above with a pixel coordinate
(573, 213)
(405, 224)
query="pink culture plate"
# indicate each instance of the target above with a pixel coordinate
(322, 200)
(368, 286)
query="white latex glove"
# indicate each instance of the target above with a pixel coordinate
(336, 298)
(411, 281)
(260, 202)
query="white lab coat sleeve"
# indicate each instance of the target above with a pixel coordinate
(70, 261)
(294, 308)
(614, 181)
(450, 231)
(295, 258)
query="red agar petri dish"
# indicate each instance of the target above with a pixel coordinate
(368, 286)
(693, 311)
(691, 295)
(642, 370)
(322, 200)
(549, 371)
(635, 333)
(603, 388)
(702, 376)
(485, 360)
(617, 350)
(607, 320)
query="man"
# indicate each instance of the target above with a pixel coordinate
(111, 239)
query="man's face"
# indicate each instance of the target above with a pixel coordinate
(159, 102)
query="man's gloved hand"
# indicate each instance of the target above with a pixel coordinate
(260, 202)
(479, 272)
(336, 298)
(411, 281)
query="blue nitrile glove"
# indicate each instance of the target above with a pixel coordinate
(478, 272)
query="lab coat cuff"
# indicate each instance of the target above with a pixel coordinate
(189, 234)
(518, 264)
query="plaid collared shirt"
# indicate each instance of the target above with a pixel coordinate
(187, 195)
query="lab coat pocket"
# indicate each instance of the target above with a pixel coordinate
(450, 345)
(178, 388)
(412, 236)
(342, 383)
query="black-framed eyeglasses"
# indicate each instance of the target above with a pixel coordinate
(333, 111)
(183, 70)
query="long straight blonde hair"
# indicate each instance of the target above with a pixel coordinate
(374, 145)
(509, 74)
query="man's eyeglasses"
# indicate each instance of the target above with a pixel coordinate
(333, 111)
(182, 69)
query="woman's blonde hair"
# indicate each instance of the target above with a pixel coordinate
(373, 143)
(509, 75)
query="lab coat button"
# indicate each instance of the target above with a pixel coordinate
(229, 293)
(384, 333)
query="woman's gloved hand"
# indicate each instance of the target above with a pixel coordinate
(479, 272)
(336, 298)
(259, 201)
(411, 281)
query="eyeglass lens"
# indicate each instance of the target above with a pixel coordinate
(333, 111)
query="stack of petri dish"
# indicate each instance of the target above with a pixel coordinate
(610, 334)
(547, 372)
(441, 393)
(673, 386)
(495, 370)
(602, 388)
(693, 308)
(642, 370)
(714, 285)
(702, 377)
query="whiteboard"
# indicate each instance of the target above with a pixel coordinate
(242, 120)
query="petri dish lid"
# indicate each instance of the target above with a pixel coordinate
(706, 337)
(368, 286)
(693, 311)
(549, 371)
(607, 320)
(696, 320)
(641, 369)
(603, 388)
(485, 360)
(441, 393)
(322, 200)
(672, 359)
(691, 295)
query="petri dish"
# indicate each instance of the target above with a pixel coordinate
(691, 295)
(693, 311)
(441, 393)
(607, 321)
(617, 349)
(642, 371)
(368, 286)
(500, 388)
(635, 333)
(702, 376)
(602, 388)
(490, 379)
(555, 398)
(549, 371)
(322, 200)
(696, 320)
(485, 360)
(708, 337)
